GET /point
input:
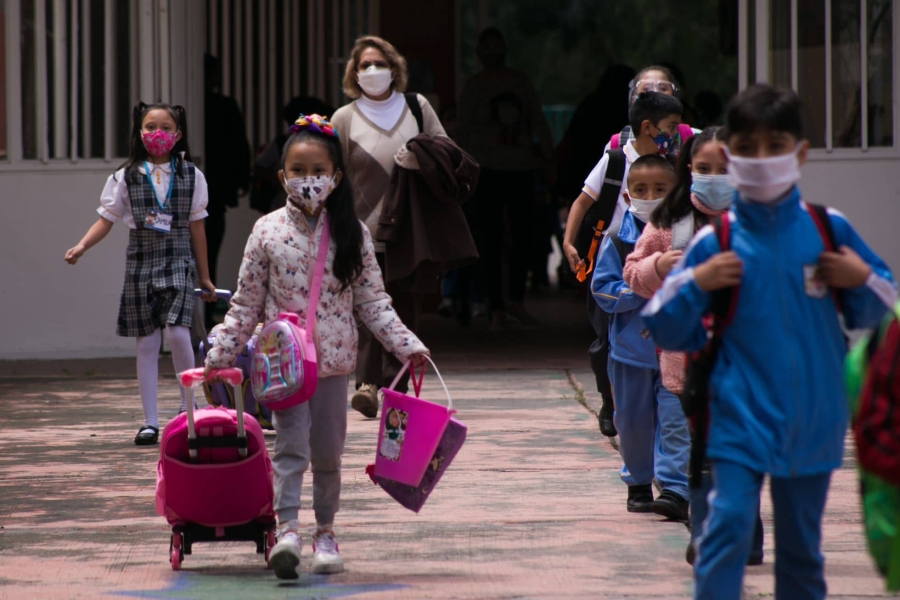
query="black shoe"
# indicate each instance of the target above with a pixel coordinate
(147, 435)
(607, 426)
(640, 498)
(690, 553)
(671, 505)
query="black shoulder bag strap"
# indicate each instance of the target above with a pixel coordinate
(412, 101)
(600, 213)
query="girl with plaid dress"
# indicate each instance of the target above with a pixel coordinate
(161, 197)
(275, 276)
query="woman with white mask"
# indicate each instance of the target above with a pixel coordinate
(379, 121)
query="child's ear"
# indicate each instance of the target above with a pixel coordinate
(803, 152)
(338, 176)
(626, 198)
(281, 176)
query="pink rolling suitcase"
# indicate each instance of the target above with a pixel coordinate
(214, 477)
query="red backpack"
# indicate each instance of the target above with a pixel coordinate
(876, 425)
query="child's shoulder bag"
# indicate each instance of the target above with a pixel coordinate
(284, 368)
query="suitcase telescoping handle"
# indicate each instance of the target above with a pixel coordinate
(234, 377)
(221, 294)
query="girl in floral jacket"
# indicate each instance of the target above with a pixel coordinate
(275, 275)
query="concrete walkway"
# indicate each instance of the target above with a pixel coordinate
(531, 508)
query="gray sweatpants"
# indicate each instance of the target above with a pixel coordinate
(311, 432)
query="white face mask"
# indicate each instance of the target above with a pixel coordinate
(374, 81)
(642, 209)
(309, 193)
(764, 180)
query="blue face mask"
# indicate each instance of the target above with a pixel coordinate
(713, 191)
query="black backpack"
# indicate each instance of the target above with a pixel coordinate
(600, 213)
(695, 395)
(412, 101)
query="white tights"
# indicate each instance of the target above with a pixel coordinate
(179, 340)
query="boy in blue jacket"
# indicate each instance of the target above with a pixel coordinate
(776, 399)
(653, 433)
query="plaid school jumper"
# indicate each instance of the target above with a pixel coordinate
(159, 270)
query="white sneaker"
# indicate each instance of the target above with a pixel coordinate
(285, 556)
(326, 559)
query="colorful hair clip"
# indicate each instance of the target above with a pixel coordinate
(314, 123)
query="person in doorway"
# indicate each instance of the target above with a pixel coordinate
(373, 128)
(161, 197)
(227, 163)
(500, 118)
(661, 111)
(267, 193)
(653, 435)
(776, 400)
(275, 277)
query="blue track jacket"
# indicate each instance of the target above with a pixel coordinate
(777, 397)
(629, 338)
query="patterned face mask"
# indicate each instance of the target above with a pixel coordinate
(309, 193)
(159, 142)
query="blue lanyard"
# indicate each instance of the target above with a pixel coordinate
(167, 204)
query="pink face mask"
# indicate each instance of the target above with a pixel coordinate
(159, 142)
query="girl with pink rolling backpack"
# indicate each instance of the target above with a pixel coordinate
(309, 271)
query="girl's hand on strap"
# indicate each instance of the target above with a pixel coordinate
(418, 360)
(209, 294)
(74, 254)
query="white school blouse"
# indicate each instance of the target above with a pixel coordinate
(115, 204)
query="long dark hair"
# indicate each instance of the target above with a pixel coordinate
(677, 203)
(138, 154)
(346, 229)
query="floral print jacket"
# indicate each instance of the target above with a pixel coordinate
(275, 274)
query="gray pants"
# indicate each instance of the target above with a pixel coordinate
(311, 432)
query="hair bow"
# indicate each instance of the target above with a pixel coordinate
(315, 124)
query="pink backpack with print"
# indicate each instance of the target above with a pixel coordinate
(284, 369)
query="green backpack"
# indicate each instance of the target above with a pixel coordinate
(880, 498)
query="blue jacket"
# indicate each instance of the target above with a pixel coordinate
(777, 401)
(629, 338)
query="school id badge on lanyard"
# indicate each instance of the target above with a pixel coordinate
(160, 220)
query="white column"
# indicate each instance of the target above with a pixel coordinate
(60, 79)
(864, 74)
(743, 44)
(762, 41)
(829, 80)
(795, 53)
(14, 73)
(249, 114)
(147, 50)
(73, 92)
(40, 58)
(164, 52)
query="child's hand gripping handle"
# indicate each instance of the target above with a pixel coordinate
(223, 294)
(417, 383)
(192, 378)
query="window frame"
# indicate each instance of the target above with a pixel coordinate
(761, 18)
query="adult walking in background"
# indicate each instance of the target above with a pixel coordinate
(500, 118)
(372, 129)
(226, 164)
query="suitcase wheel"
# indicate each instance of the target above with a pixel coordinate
(176, 554)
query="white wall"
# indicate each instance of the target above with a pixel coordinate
(868, 192)
(53, 310)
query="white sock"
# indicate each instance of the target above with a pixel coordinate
(179, 341)
(148, 374)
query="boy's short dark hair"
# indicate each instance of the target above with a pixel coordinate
(762, 106)
(653, 107)
(651, 161)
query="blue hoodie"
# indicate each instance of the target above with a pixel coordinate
(777, 401)
(629, 338)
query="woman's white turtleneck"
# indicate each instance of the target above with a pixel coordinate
(384, 113)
